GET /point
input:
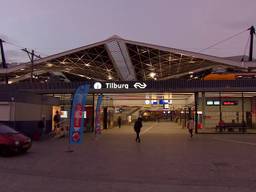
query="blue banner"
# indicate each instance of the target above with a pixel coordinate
(97, 119)
(77, 115)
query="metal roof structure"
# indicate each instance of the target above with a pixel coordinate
(116, 59)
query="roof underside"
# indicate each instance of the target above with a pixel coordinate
(116, 59)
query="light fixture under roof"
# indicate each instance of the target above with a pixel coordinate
(110, 77)
(49, 64)
(191, 61)
(87, 64)
(22, 69)
(152, 74)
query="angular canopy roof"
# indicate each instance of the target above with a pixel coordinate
(117, 59)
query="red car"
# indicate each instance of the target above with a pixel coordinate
(12, 141)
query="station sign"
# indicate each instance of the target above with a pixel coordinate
(117, 85)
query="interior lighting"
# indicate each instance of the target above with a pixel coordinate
(22, 69)
(152, 74)
(87, 64)
(110, 77)
(49, 64)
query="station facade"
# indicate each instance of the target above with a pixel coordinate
(135, 79)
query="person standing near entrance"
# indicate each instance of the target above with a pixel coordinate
(190, 126)
(137, 128)
(119, 121)
(56, 120)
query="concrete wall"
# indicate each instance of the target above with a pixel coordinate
(4, 111)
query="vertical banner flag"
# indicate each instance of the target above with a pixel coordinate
(97, 119)
(77, 117)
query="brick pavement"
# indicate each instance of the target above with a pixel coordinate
(166, 160)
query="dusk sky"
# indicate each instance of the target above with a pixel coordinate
(53, 26)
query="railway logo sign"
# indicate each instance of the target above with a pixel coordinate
(138, 85)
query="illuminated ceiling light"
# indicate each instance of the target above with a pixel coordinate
(143, 50)
(110, 77)
(148, 64)
(87, 64)
(49, 64)
(172, 59)
(22, 69)
(10, 82)
(155, 78)
(191, 61)
(81, 75)
(190, 72)
(152, 74)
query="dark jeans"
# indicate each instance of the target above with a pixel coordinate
(191, 132)
(138, 137)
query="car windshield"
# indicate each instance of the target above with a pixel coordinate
(4, 129)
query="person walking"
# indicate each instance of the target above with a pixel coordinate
(190, 126)
(137, 128)
(119, 121)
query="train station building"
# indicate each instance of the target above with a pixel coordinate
(135, 79)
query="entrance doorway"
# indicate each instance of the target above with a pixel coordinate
(152, 107)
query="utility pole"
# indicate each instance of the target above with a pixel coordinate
(3, 60)
(31, 56)
(252, 32)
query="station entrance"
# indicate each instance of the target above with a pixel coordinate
(234, 111)
(123, 109)
(151, 107)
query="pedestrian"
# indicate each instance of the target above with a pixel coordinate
(190, 126)
(119, 121)
(137, 128)
(56, 120)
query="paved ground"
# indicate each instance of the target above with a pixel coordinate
(166, 160)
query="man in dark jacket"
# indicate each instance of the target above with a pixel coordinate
(137, 127)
